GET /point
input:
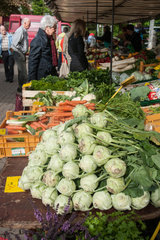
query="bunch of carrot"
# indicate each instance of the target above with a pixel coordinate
(61, 113)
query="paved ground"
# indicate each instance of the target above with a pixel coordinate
(7, 93)
(7, 102)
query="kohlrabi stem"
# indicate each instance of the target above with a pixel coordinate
(108, 143)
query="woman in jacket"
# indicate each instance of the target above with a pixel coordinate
(43, 56)
(76, 46)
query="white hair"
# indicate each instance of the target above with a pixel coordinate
(48, 21)
(24, 20)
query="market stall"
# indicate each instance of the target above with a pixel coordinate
(17, 210)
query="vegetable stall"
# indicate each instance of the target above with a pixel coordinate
(88, 158)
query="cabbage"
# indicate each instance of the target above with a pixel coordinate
(82, 129)
(102, 200)
(70, 170)
(68, 152)
(116, 77)
(140, 202)
(115, 167)
(89, 97)
(87, 164)
(55, 163)
(63, 203)
(155, 197)
(82, 201)
(86, 144)
(33, 173)
(66, 187)
(37, 188)
(138, 76)
(105, 136)
(50, 178)
(80, 110)
(37, 158)
(47, 134)
(66, 137)
(49, 196)
(51, 145)
(121, 202)
(24, 183)
(89, 183)
(99, 119)
(115, 185)
(101, 155)
(123, 77)
(147, 76)
(40, 146)
(60, 128)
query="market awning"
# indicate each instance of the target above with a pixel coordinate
(125, 10)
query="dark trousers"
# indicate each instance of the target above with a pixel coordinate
(8, 61)
(59, 60)
(20, 60)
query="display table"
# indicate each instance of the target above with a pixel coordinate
(16, 210)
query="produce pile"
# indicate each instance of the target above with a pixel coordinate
(96, 160)
(93, 81)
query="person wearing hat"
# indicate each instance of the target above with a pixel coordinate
(91, 40)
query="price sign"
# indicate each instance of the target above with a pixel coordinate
(12, 185)
(2, 131)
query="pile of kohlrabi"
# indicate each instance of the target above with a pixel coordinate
(94, 161)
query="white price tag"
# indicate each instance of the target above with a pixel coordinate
(18, 151)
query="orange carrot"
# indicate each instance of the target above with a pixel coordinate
(89, 105)
(14, 131)
(15, 127)
(66, 108)
(74, 103)
(44, 126)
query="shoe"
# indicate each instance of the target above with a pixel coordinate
(7, 80)
(11, 81)
(19, 90)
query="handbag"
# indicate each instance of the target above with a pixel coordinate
(64, 69)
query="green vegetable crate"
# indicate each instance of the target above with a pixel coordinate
(27, 96)
(16, 144)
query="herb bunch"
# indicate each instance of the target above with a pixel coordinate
(58, 227)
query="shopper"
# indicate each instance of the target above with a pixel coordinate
(91, 40)
(106, 37)
(20, 48)
(134, 42)
(58, 46)
(5, 51)
(76, 46)
(43, 55)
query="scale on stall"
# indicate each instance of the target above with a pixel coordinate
(123, 84)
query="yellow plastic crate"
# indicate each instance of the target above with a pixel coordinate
(16, 144)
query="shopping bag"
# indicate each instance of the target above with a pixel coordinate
(18, 105)
(64, 69)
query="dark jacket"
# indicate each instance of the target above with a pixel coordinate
(76, 51)
(106, 37)
(40, 57)
(136, 41)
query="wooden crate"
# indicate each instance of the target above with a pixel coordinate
(27, 96)
(16, 144)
